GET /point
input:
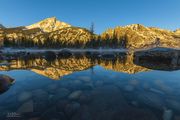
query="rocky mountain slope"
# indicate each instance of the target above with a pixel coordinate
(139, 36)
(49, 25)
(45, 33)
(52, 33)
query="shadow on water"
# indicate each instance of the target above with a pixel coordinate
(93, 86)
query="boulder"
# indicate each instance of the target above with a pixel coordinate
(5, 83)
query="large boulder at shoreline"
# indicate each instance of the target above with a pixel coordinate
(5, 83)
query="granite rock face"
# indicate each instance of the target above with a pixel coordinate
(59, 33)
(49, 25)
(41, 32)
(139, 36)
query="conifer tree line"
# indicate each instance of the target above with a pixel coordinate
(94, 42)
(105, 40)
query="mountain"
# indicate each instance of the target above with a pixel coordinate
(1, 26)
(51, 32)
(47, 32)
(139, 36)
(49, 25)
(62, 66)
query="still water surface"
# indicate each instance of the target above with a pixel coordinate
(90, 88)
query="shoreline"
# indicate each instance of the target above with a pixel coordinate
(78, 50)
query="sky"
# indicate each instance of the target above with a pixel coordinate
(103, 13)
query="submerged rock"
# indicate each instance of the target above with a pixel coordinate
(24, 96)
(72, 108)
(129, 88)
(62, 93)
(40, 95)
(26, 107)
(85, 78)
(52, 88)
(52, 114)
(151, 99)
(173, 104)
(168, 114)
(75, 95)
(5, 83)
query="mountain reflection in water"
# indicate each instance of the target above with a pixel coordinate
(122, 86)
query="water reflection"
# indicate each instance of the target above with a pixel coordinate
(122, 86)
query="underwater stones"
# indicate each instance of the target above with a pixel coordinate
(85, 98)
(173, 104)
(85, 78)
(98, 83)
(61, 104)
(24, 96)
(177, 117)
(135, 103)
(40, 95)
(105, 98)
(52, 88)
(134, 82)
(129, 88)
(75, 84)
(75, 95)
(72, 108)
(87, 86)
(40, 106)
(156, 91)
(151, 99)
(51, 114)
(62, 92)
(134, 114)
(26, 107)
(82, 114)
(5, 83)
(163, 87)
(168, 114)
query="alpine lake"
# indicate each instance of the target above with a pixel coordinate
(64, 85)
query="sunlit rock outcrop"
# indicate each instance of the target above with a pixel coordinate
(139, 36)
(49, 25)
(47, 33)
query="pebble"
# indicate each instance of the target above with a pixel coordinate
(168, 114)
(98, 83)
(52, 88)
(71, 108)
(75, 95)
(129, 88)
(85, 78)
(40, 95)
(26, 107)
(62, 92)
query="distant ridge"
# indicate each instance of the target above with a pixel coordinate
(51, 32)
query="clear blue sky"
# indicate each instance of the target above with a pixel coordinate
(104, 13)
